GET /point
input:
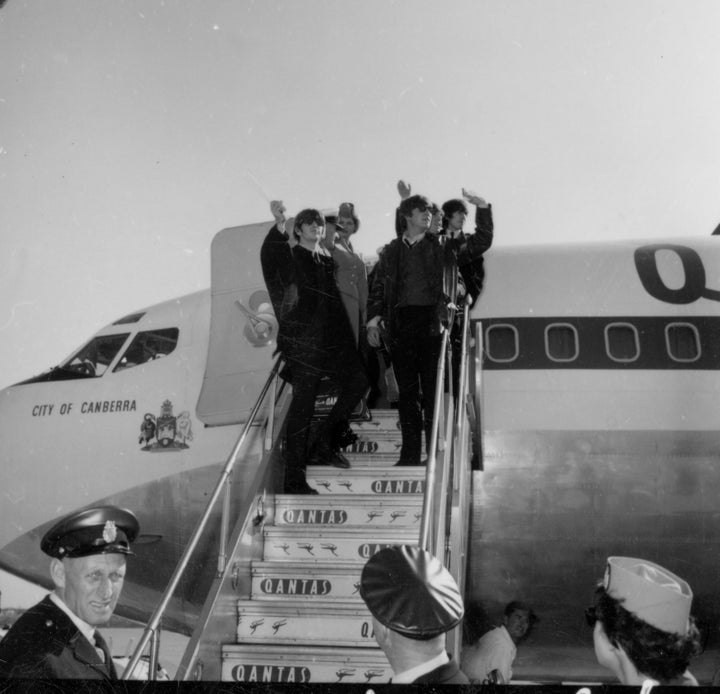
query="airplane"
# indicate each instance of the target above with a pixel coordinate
(596, 391)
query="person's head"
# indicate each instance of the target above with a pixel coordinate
(455, 212)
(89, 550)
(413, 600)
(642, 623)
(416, 212)
(517, 619)
(436, 219)
(308, 227)
(348, 222)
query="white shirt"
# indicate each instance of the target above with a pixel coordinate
(412, 674)
(495, 650)
(85, 629)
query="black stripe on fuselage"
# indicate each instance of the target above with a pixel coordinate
(658, 346)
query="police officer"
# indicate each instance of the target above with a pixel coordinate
(414, 601)
(58, 638)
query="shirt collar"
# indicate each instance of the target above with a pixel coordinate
(411, 242)
(412, 674)
(85, 629)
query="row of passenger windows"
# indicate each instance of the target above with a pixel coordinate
(622, 342)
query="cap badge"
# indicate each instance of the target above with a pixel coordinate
(109, 532)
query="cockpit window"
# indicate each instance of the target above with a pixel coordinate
(90, 361)
(95, 357)
(146, 346)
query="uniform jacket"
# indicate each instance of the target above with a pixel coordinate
(438, 257)
(449, 673)
(45, 643)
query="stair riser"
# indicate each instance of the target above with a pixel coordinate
(279, 586)
(367, 444)
(327, 630)
(373, 515)
(354, 549)
(358, 666)
(380, 485)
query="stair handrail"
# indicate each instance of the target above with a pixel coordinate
(429, 513)
(458, 492)
(150, 631)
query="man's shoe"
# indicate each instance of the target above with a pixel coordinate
(337, 459)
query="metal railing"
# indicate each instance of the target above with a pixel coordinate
(452, 468)
(222, 487)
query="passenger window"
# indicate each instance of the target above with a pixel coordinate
(502, 343)
(683, 342)
(147, 346)
(561, 342)
(94, 358)
(622, 342)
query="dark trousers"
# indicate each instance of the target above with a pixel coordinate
(415, 352)
(345, 366)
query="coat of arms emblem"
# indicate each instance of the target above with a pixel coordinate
(165, 432)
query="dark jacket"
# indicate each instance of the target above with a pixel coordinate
(449, 673)
(45, 643)
(314, 317)
(473, 272)
(437, 255)
(279, 274)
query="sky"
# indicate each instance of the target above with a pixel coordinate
(131, 131)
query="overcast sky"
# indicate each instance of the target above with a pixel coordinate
(131, 131)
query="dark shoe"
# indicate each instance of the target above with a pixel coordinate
(337, 459)
(299, 488)
(343, 436)
(407, 463)
(323, 453)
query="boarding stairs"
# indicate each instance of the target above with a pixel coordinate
(304, 619)
(285, 604)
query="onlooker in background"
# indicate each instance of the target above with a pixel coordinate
(489, 661)
(350, 273)
(58, 637)
(413, 601)
(642, 624)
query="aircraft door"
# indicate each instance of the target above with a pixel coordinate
(243, 328)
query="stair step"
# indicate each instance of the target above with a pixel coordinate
(369, 480)
(282, 622)
(312, 543)
(246, 663)
(382, 459)
(302, 580)
(382, 420)
(364, 510)
(374, 442)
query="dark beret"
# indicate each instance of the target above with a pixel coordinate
(409, 591)
(98, 530)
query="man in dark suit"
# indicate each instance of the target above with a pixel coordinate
(58, 638)
(413, 601)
